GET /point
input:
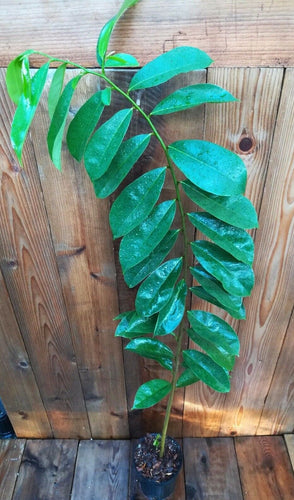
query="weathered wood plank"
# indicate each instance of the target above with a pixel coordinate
(211, 469)
(240, 34)
(289, 438)
(207, 412)
(135, 492)
(265, 468)
(83, 244)
(102, 470)
(46, 470)
(11, 451)
(29, 269)
(20, 393)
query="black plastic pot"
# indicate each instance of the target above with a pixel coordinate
(159, 490)
(6, 429)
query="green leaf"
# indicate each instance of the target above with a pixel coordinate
(140, 242)
(166, 66)
(132, 325)
(105, 143)
(236, 277)
(56, 89)
(151, 393)
(187, 378)
(157, 289)
(215, 288)
(106, 96)
(215, 336)
(18, 81)
(128, 153)
(56, 129)
(235, 210)
(136, 274)
(83, 124)
(136, 202)
(121, 61)
(26, 109)
(152, 349)
(207, 370)
(172, 313)
(234, 240)
(204, 295)
(193, 95)
(209, 166)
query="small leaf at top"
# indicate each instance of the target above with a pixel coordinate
(235, 210)
(151, 393)
(172, 63)
(209, 166)
(83, 124)
(193, 95)
(121, 61)
(56, 89)
(56, 129)
(105, 143)
(136, 202)
(207, 370)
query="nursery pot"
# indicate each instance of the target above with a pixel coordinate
(152, 486)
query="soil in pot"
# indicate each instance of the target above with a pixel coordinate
(157, 476)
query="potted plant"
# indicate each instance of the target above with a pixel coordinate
(214, 179)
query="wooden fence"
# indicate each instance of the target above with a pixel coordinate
(63, 373)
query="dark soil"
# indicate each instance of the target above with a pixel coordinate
(149, 463)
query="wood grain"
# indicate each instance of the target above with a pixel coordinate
(289, 438)
(11, 451)
(102, 470)
(207, 412)
(46, 470)
(29, 269)
(265, 469)
(239, 34)
(211, 469)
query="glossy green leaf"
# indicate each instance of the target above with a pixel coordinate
(235, 210)
(83, 124)
(193, 95)
(56, 89)
(128, 153)
(204, 295)
(152, 349)
(187, 378)
(121, 61)
(17, 77)
(232, 239)
(171, 315)
(174, 62)
(209, 166)
(57, 125)
(136, 202)
(132, 325)
(215, 288)
(106, 96)
(151, 393)
(105, 142)
(136, 274)
(155, 292)
(207, 370)
(236, 277)
(142, 240)
(215, 336)
(25, 111)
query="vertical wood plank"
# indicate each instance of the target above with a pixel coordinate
(102, 470)
(206, 412)
(11, 451)
(84, 249)
(265, 468)
(211, 469)
(289, 438)
(30, 273)
(46, 470)
(19, 393)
